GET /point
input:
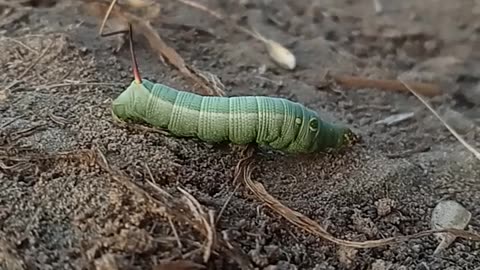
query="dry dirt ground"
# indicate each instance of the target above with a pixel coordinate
(60, 210)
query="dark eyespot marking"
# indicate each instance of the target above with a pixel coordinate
(313, 124)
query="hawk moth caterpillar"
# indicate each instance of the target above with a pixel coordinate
(272, 122)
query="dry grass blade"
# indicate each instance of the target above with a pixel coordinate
(20, 43)
(157, 44)
(202, 8)
(389, 85)
(56, 85)
(217, 15)
(107, 14)
(454, 133)
(177, 238)
(178, 211)
(34, 63)
(313, 227)
(279, 54)
(226, 203)
(200, 215)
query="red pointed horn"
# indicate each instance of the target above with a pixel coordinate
(136, 73)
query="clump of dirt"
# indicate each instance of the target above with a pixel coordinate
(59, 209)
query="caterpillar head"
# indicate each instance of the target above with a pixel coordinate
(321, 135)
(342, 137)
(348, 138)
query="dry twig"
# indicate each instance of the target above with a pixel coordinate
(389, 85)
(279, 54)
(34, 63)
(210, 83)
(244, 172)
(226, 203)
(177, 238)
(56, 85)
(200, 215)
(454, 133)
(21, 44)
(218, 16)
(179, 211)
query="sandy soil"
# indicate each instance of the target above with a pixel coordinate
(60, 210)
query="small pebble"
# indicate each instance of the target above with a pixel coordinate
(417, 248)
(379, 264)
(323, 266)
(430, 46)
(448, 214)
(258, 258)
(384, 206)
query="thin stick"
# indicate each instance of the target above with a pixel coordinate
(11, 121)
(219, 16)
(226, 203)
(21, 44)
(467, 145)
(177, 238)
(78, 84)
(244, 170)
(198, 212)
(210, 236)
(36, 60)
(163, 51)
(110, 8)
(152, 183)
(426, 89)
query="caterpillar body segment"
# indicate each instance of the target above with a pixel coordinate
(272, 122)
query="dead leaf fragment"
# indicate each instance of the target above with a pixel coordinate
(395, 119)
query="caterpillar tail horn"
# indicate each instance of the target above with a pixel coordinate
(136, 73)
(130, 101)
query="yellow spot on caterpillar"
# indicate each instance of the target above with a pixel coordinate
(350, 138)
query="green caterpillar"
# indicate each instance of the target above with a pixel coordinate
(272, 122)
